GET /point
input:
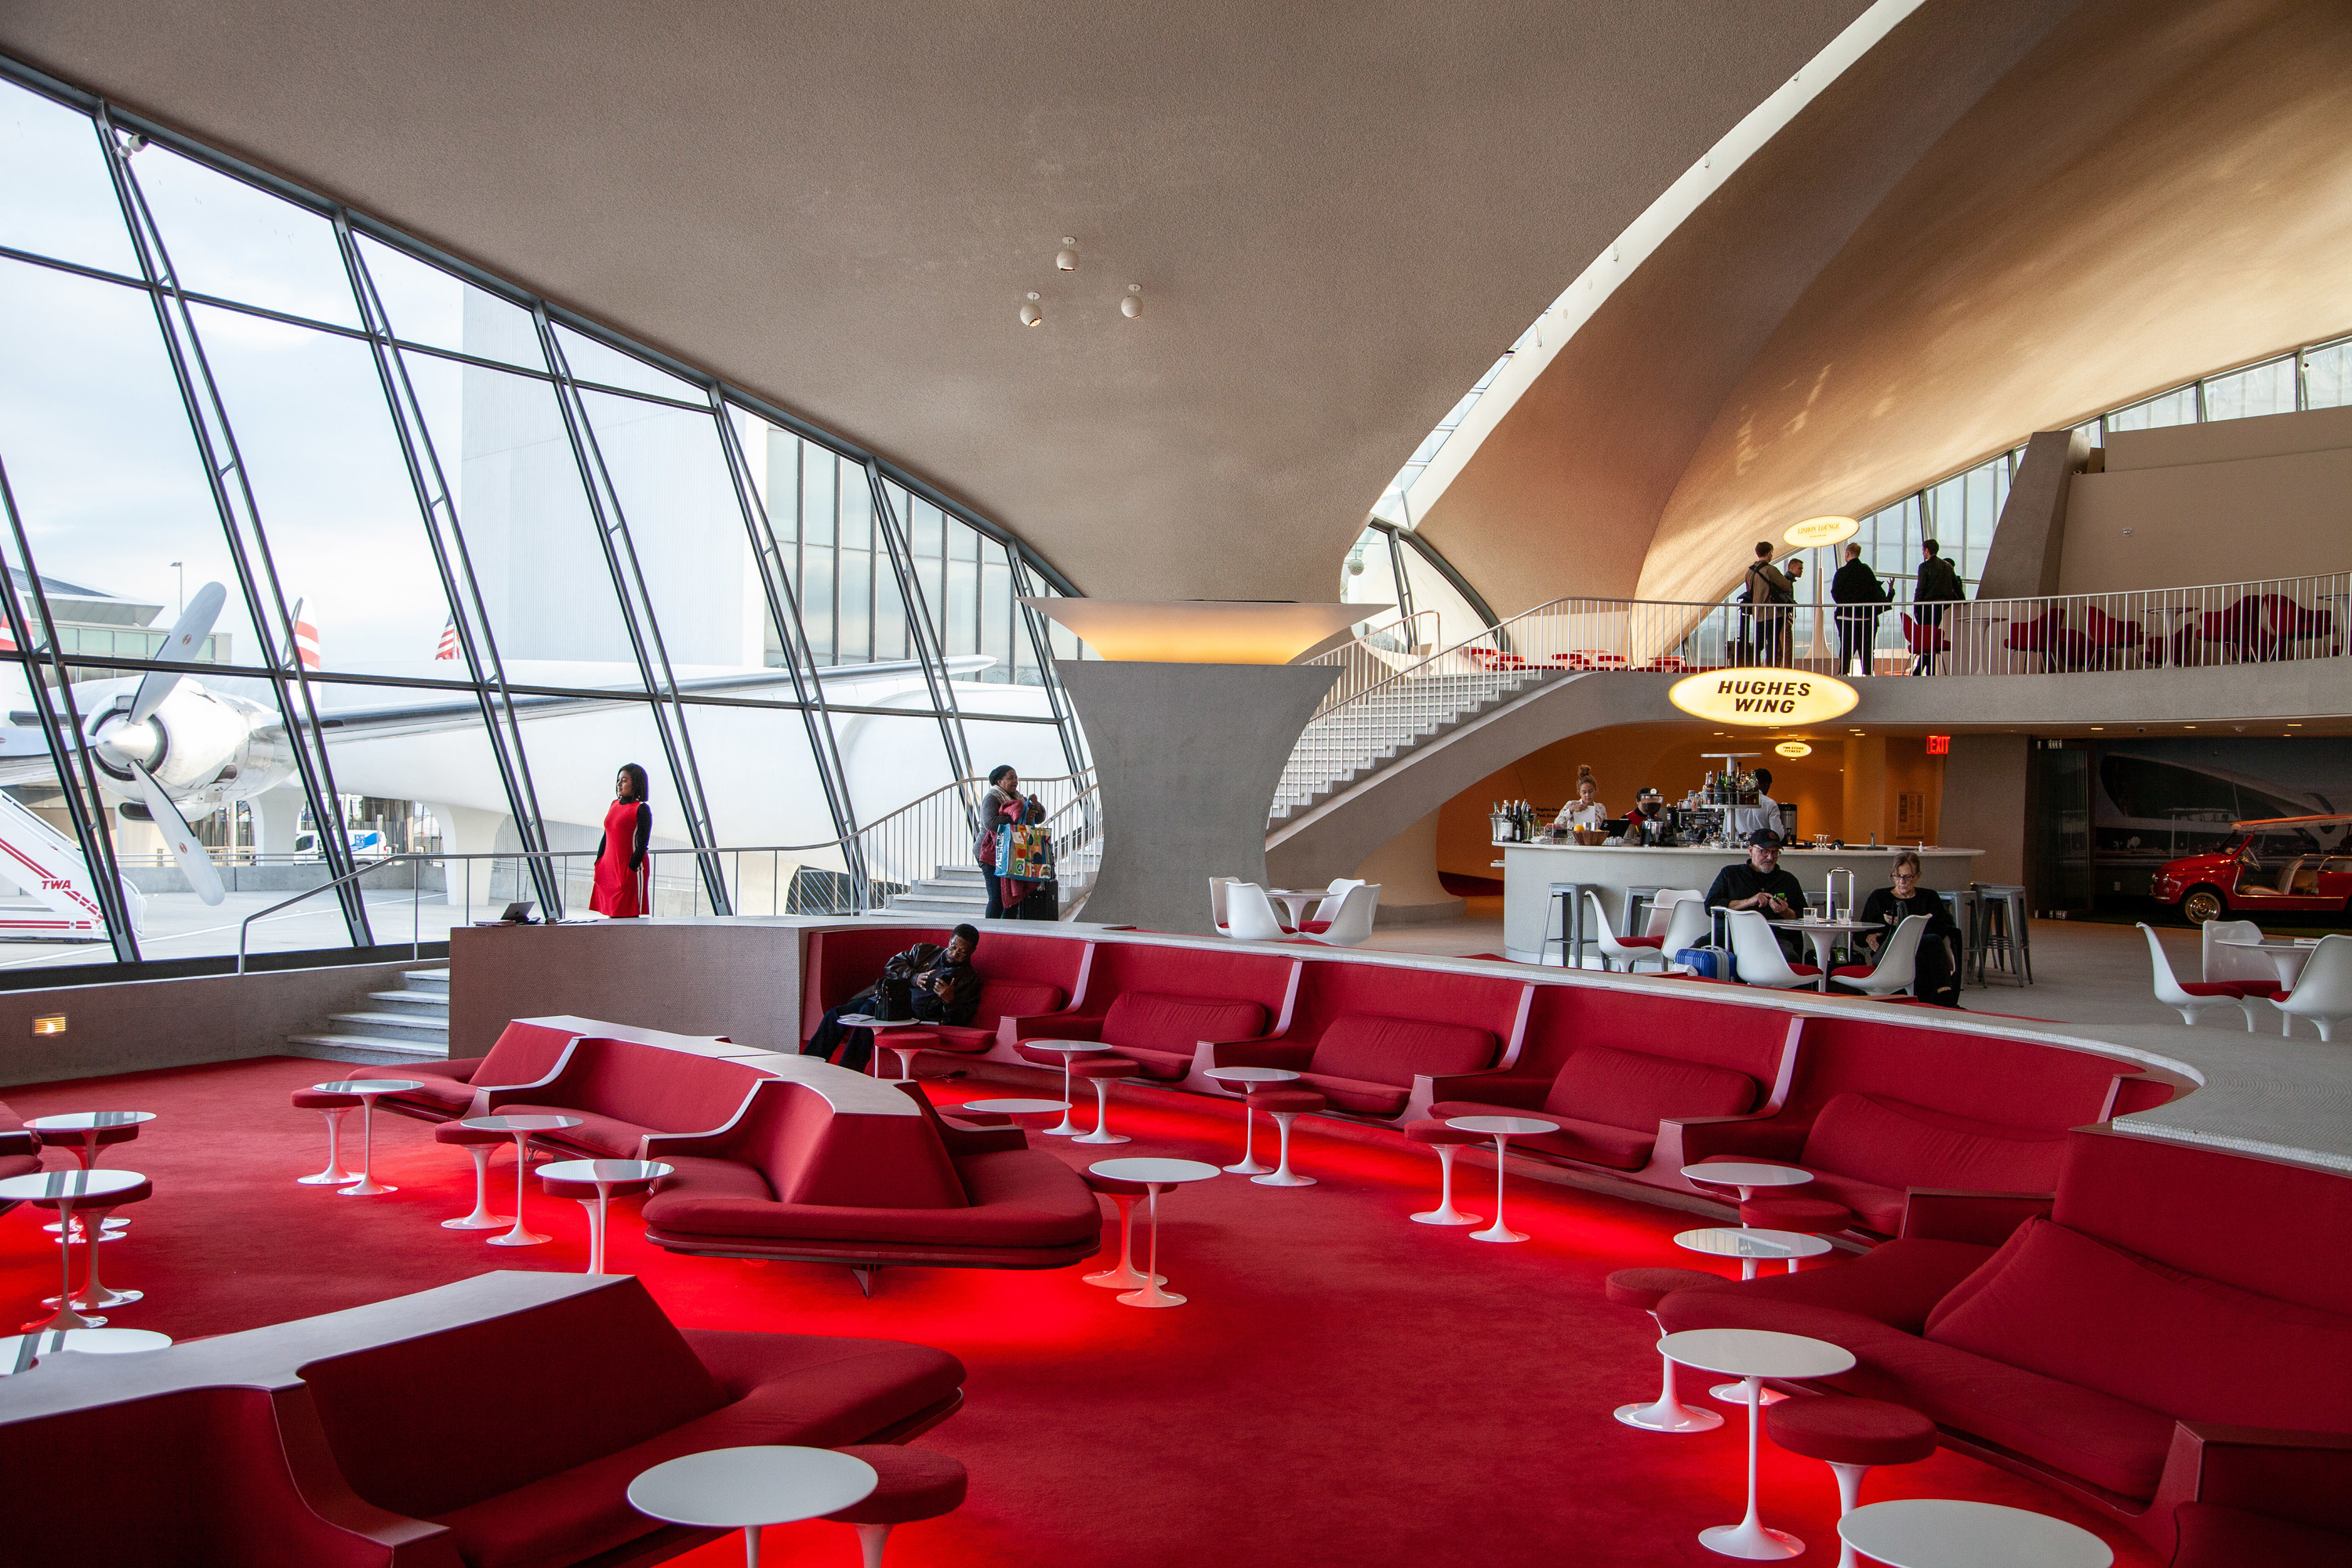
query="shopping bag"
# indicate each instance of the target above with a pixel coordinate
(1024, 853)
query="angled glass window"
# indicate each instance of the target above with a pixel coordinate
(51, 910)
(60, 199)
(2327, 376)
(233, 241)
(2251, 393)
(536, 554)
(334, 499)
(425, 305)
(105, 472)
(592, 363)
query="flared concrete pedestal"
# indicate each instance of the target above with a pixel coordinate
(1186, 757)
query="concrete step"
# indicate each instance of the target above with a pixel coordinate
(433, 979)
(960, 908)
(424, 1003)
(958, 874)
(369, 1049)
(393, 1025)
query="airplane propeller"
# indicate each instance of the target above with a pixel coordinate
(195, 625)
(116, 734)
(195, 861)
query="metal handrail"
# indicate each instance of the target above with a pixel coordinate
(1364, 722)
(888, 840)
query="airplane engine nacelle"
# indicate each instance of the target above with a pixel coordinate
(205, 749)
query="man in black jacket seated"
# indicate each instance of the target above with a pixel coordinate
(1761, 885)
(935, 985)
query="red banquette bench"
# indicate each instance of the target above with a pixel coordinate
(2169, 1300)
(495, 1423)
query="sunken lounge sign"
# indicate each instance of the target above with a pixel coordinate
(1774, 698)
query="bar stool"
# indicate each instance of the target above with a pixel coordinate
(1568, 900)
(911, 1484)
(595, 1182)
(2004, 931)
(1850, 1436)
(1806, 1216)
(1102, 1070)
(481, 1145)
(1123, 1193)
(1447, 1141)
(907, 1044)
(1967, 919)
(1285, 1105)
(95, 1295)
(334, 1108)
(1645, 1287)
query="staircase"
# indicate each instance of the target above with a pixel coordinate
(409, 1025)
(1377, 727)
(949, 893)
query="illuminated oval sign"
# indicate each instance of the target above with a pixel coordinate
(1774, 698)
(1815, 531)
(1794, 749)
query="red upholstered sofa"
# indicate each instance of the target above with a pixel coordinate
(1876, 1109)
(1160, 1005)
(526, 1051)
(1021, 973)
(1362, 1034)
(316, 1443)
(1610, 1103)
(2169, 1293)
(830, 1166)
(621, 1092)
(20, 1155)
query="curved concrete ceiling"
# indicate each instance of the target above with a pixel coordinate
(1336, 214)
(2004, 218)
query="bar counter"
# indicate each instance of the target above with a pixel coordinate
(1529, 869)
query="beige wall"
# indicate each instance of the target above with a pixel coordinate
(2230, 502)
(719, 977)
(1984, 802)
(148, 1023)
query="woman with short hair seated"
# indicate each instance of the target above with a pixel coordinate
(1939, 962)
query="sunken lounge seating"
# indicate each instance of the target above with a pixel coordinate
(830, 1166)
(1160, 1005)
(624, 1093)
(317, 1443)
(2165, 1301)
(527, 1051)
(1609, 1102)
(1361, 1036)
(1021, 974)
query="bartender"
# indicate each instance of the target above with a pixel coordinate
(1648, 822)
(1761, 884)
(1585, 810)
(1764, 816)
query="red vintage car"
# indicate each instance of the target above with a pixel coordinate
(2278, 865)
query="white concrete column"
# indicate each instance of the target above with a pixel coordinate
(1406, 869)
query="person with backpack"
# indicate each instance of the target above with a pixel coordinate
(1937, 586)
(929, 981)
(1861, 599)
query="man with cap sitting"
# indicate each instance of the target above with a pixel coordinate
(934, 983)
(1761, 884)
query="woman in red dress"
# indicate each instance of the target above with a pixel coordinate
(621, 853)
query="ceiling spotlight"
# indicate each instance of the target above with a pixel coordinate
(1066, 258)
(1031, 316)
(1130, 304)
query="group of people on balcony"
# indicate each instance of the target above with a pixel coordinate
(1769, 598)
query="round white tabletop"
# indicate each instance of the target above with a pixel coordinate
(1744, 1174)
(368, 1086)
(72, 1186)
(860, 1021)
(2287, 957)
(520, 1124)
(90, 1122)
(1724, 1241)
(1069, 1047)
(1757, 1353)
(1153, 1171)
(1502, 1126)
(1940, 1532)
(1250, 1075)
(605, 1172)
(19, 1352)
(1017, 1107)
(735, 1489)
(1070, 1051)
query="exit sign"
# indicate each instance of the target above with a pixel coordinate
(1939, 745)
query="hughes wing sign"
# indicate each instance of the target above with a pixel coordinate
(1777, 697)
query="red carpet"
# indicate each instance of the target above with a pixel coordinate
(1345, 1386)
